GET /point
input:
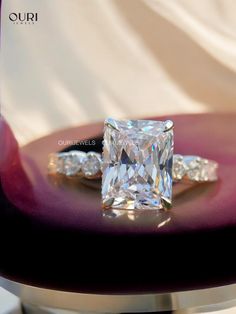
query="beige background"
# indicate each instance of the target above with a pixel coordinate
(88, 59)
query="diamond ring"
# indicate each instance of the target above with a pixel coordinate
(137, 165)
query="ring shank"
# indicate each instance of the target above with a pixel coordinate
(192, 168)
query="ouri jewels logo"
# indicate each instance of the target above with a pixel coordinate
(23, 17)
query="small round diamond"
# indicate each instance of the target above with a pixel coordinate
(91, 165)
(209, 170)
(73, 162)
(194, 165)
(179, 167)
(60, 164)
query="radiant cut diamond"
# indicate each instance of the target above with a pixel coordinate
(137, 164)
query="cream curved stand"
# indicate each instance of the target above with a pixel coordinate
(193, 301)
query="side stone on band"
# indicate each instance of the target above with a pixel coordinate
(89, 165)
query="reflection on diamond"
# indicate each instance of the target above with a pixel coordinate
(137, 164)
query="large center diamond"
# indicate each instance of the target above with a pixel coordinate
(137, 168)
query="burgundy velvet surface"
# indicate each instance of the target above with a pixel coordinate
(54, 234)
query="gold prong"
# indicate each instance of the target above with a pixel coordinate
(168, 125)
(110, 122)
(166, 203)
(107, 204)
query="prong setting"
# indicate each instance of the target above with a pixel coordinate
(168, 125)
(110, 122)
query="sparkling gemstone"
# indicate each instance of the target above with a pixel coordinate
(194, 166)
(60, 164)
(73, 162)
(209, 171)
(179, 167)
(92, 164)
(137, 164)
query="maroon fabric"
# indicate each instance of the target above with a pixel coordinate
(54, 234)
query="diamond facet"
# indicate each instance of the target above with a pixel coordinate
(137, 164)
